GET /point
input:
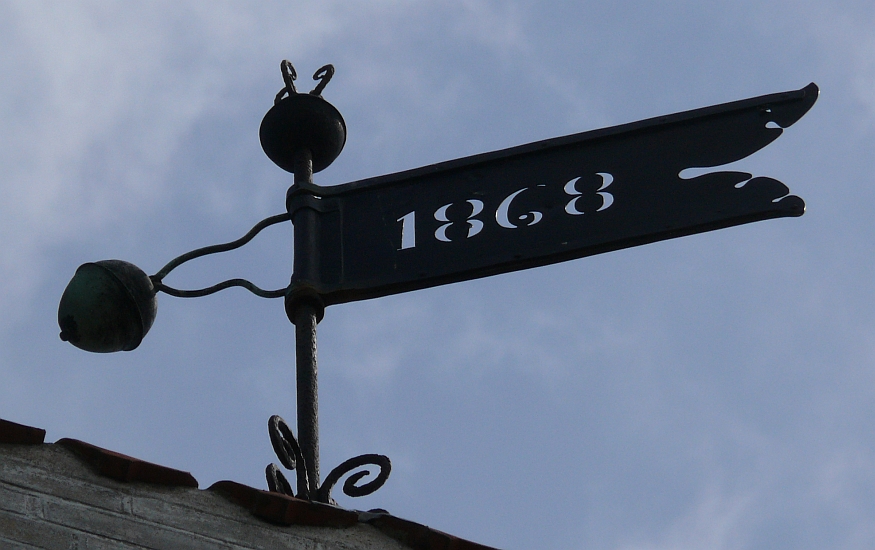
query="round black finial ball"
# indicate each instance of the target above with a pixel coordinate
(108, 306)
(302, 121)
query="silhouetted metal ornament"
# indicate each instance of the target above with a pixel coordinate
(108, 306)
(289, 452)
(303, 121)
(527, 206)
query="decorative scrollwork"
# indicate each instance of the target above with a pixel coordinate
(289, 453)
(284, 443)
(289, 77)
(277, 482)
(323, 75)
(349, 486)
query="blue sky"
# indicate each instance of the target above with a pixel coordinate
(714, 391)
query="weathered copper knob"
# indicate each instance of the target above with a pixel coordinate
(108, 306)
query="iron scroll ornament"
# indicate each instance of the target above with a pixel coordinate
(289, 454)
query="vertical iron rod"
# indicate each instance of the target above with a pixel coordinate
(305, 320)
(308, 400)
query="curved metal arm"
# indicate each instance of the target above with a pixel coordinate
(251, 287)
(214, 249)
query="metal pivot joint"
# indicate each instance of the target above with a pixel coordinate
(301, 204)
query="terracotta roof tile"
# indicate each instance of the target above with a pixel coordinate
(125, 468)
(282, 509)
(10, 432)
(272, 507)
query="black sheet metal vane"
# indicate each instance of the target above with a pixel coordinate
(541, 203)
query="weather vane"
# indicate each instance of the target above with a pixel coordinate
(527, 206)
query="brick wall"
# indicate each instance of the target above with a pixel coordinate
(50, 498)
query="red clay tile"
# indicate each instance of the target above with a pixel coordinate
(282, 509)
(272, 507)
(10, 432)
(125, 468)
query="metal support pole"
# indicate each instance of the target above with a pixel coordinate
(305, 317)
(308, 400)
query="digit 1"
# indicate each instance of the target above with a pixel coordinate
(408, 230)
